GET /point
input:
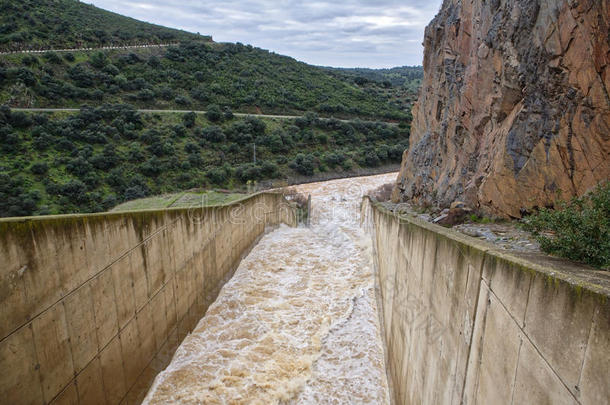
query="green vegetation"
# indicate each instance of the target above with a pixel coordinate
(192, 75)
(474, 218)
(397, 86)
(36, 24)
(578, 230)
(188, 199)
(406, 76)
(108, 153)
(102, 156)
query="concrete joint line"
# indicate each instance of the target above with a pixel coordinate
(526, 336)
(97, 274)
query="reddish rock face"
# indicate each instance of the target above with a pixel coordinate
(514, 109)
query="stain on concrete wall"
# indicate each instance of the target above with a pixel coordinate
(465, 323)
(92, 307)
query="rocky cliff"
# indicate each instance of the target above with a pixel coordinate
(514, 108)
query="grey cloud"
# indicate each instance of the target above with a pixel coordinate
(349, 33)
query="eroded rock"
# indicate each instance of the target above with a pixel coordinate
(514, 105)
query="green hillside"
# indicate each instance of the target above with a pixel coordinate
(192, 75)
(94, 159)
(109, 153)
(36, 24)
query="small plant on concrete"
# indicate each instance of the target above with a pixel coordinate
(578, 230)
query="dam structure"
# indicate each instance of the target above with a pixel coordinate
(240, 304)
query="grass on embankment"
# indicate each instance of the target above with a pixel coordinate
(186, 199)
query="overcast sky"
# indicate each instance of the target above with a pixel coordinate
(348, 33)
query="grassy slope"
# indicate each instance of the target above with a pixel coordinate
(34, 24)
(185, 199)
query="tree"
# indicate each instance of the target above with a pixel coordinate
(39, 168)
(188, 119)
(213, 133)
(228, 113)
(133, 193)
(98, 60)
(217, 176)
(52, 57)
(304, 164)
(213, 113)
(151, 168)
(182, 100)
(371, 159)
(248, 171)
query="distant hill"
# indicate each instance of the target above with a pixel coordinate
(397, 86)
(35, 24)
(403, 76)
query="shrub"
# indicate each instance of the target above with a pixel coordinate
(248, 171)
(192, 147)
(217, 176)
(334, 158)
(52, 57)
(182, 100)
(151, 168)
(179, 130)
(109, 201)
(213, 113)
(256, 124)
(75, 190)
(395, 153)
(304, 164)
(228, 113)
(79, 166)
(188, 119)
(42, 141)
(135, 192)
(371, 159)
(269, 169)
(154, 62)
(20, 119)
(347, 164)
(213, 133)
(39, 168)
(578, 230)
(195, 160)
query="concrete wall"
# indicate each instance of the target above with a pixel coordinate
(465, 323)
(92, 307)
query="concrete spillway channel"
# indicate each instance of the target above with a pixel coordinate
(297, 323)
(93, 308)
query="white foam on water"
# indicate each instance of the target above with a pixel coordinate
(297, 323)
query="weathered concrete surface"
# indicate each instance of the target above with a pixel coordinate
(514, 105)
(467, 324)
(92, 307)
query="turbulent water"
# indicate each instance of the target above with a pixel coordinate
(297, 323)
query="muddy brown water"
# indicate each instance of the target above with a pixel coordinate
(297, 323)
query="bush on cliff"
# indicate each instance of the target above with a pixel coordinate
(578, 229)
